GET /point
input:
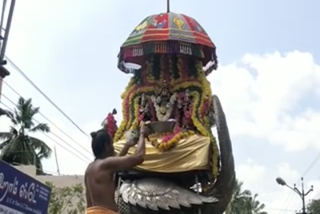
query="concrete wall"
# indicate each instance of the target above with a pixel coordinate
(58, 181)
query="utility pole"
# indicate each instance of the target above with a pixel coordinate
(56, 157)
(4, 35)
(301, 193)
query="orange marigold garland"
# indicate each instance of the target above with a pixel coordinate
(179, 80)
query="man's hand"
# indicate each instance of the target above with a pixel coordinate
(131, 142)
(145, 130)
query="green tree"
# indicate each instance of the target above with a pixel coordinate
(242, 201)
(314, 206)
(239, 199)
(67, 199)
(253, 206)
(18, 146)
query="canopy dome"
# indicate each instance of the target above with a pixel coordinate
(167, 33)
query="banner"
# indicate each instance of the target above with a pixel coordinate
(20, 193)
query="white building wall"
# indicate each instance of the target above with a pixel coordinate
(58, 181)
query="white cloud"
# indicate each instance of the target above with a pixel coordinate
(285, 171)
(251, 172)
(272, 97)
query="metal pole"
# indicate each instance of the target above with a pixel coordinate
(2, 15)
(303, 198)
(6, 34)
(57, 163)
(198, 190)
(168, 6)
(302, 194)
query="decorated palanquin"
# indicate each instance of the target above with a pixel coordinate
(185, 170)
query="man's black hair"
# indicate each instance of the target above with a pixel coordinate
(101, 142)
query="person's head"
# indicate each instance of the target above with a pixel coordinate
(102, 146)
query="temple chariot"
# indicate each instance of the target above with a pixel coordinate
(186, 169)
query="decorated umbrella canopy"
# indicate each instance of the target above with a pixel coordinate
(167, 33)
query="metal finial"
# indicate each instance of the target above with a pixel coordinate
(168, 6)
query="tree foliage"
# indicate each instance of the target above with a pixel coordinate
(69, 200)
(314, 206)
(243, 202)
(18, 146)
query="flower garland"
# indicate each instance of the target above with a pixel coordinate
(169, 140)
(199, 88)
(111, 123)
(207, 94)
(125, 110)
(170, 106)
(127, 105)
(133, 92)
(207, 133)
(204, 107)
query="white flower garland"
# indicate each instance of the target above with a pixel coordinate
(160, 116)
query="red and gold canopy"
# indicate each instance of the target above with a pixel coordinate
(167, 33)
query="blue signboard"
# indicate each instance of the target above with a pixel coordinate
(20, 193)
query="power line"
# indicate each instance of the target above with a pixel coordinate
(286, 202)
(57, 136)
(277, 209)
(20, 164)
(15, 91)
(81, 158)
(317, 196)
(45, 96)
(312, 164)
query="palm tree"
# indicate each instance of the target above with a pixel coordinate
(253, 206)
(239, 199)
(242, 202)
(18, 146)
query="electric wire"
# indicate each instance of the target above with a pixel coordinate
(44, 95)
(57, 127)
(312, 164)
(317, 196)
(285, 207)
(55, 141)
(43, 170)
(277, 209)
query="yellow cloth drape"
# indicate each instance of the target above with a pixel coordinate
(189, 154)
(99, 210)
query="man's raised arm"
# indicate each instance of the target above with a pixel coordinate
(128, 161)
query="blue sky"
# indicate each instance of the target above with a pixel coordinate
(69, 49)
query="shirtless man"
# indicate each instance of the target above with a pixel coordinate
(99, 176)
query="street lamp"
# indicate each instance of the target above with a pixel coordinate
(301, 193)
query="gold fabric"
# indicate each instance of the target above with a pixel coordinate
(189, 154)
(99, 210)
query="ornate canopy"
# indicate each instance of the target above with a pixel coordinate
(167, 33)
